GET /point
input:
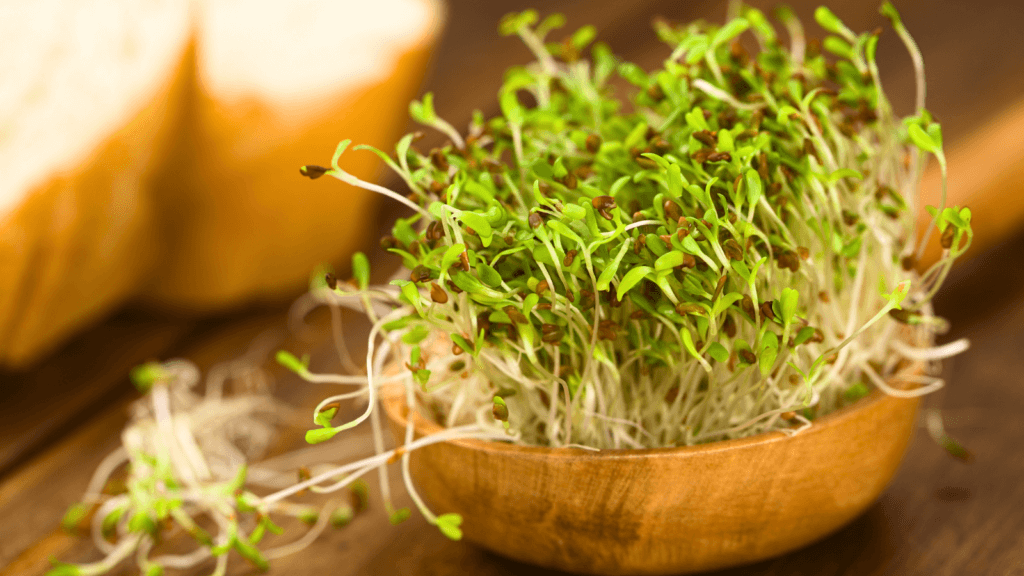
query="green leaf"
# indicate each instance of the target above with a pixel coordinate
(856, 392)
(668, 261)
(754, 187)
(417, 334)
(766, 359)
(74, 516)
(829, 21)
(342, 515)
(725, 141)
(338, 152)
(324, 417)
(251, 553)
(399, 516)
(451, 255)
(784, 114)
(551, 22)
(788, 301)
(63, 569)
(145, 375)
(731, 30)
(573, 211)
(463, 343)
(449, 525)
(844, 173)
(935, 132)
(511, 108)
(489, 276)
(142, 522)
(688, 342)
(633, 74)
(511, 23)
(675, 181)
(361, 270)
(404, 232)
(238, 481)
(289, 361)
(921, 139)
(803, 335)
(609, 272)
(724, 302)
(741, 268)
(479, 224)
(870, 47)
(718, 352)
(580, 39)
(631, 279)
(319, 435)
(695, 119)
(889, 11)
(410, 293)
(402, 148)
(839, 47)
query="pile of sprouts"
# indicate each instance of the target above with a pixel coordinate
(731, 251)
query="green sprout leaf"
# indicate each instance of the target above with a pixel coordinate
(399, 516)
(631, 279)
(319, 435)
(922, 139)
(324, 417)
(855, 392)
(145, 375)
(718, 352)
(788, 302)
(449, 525)
(75, 515)
(63, 569)
(289, 361)
(342, 515)
(512, 23)
(361, 270)
(423, 111)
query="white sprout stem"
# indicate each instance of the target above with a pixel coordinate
(103, 471)
(456, 433)
(931, 353)
(123, 550)
(352, 180)
(450, 131)
(307, 538)
(182, 561)
(165, 423)
(717, 93)
(797, 42)
(880, 382)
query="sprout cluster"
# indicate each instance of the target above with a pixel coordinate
(730, 251)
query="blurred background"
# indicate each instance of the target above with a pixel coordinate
(168, 216)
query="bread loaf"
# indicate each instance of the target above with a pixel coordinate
(90, 98)
(277, 88)
(149, 149)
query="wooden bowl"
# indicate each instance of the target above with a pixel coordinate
(670, 510)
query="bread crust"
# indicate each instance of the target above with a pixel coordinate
(240, 223)
(82, 242)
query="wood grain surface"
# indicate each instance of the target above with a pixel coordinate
(939, 516)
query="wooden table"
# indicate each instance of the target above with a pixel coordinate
(940, 516)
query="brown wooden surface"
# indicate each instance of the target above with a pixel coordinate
(939, 517)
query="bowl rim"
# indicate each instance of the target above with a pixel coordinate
(394, 407)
